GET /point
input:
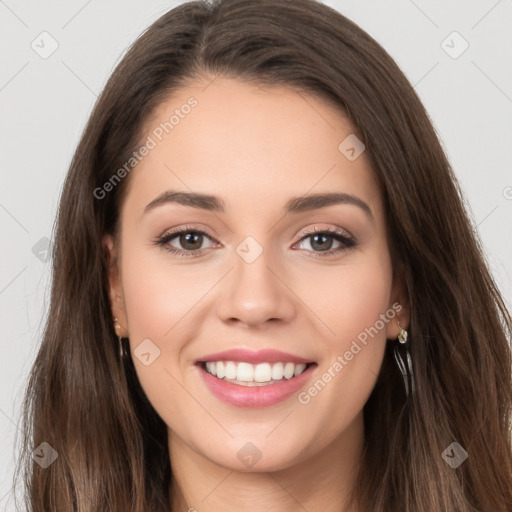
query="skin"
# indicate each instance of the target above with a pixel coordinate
(255, 148)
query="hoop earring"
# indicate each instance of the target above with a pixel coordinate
(117, 327)
(404, 361)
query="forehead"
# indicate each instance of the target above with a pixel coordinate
(251, 145)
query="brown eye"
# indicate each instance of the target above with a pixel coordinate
(321, 242)
(186, 241)
(190, 241)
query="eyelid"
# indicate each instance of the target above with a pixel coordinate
(325, 229)
(186, 228)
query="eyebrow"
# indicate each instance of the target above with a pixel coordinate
(294, 205)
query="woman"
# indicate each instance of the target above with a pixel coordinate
(267, 293)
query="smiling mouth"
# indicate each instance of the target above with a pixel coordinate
(253, 375)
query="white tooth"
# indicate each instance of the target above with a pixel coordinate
(245, 372)
(220, 369)
(257, 374)
(299, 369)
(230, 370)
(288, 370)
(210, 367)
(277, 371)
(262, 372)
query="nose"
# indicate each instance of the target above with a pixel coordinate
(255, 292)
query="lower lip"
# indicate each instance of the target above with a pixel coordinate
(254, 396)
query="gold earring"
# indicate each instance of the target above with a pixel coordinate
(404, 362)
(117, 327)
(402, 337)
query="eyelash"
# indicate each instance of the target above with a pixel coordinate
(347, 241)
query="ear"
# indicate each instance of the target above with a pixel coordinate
(117, 305)
(399, 303)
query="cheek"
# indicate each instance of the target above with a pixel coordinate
(162, 303)
(354, 296)
(159, 293)
(355, 310)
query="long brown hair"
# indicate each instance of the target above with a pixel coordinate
(111, 444)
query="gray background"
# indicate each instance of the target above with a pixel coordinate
(45, 103)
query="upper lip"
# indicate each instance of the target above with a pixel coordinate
(253, 357)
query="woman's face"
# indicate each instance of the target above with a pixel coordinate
(256, 277)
